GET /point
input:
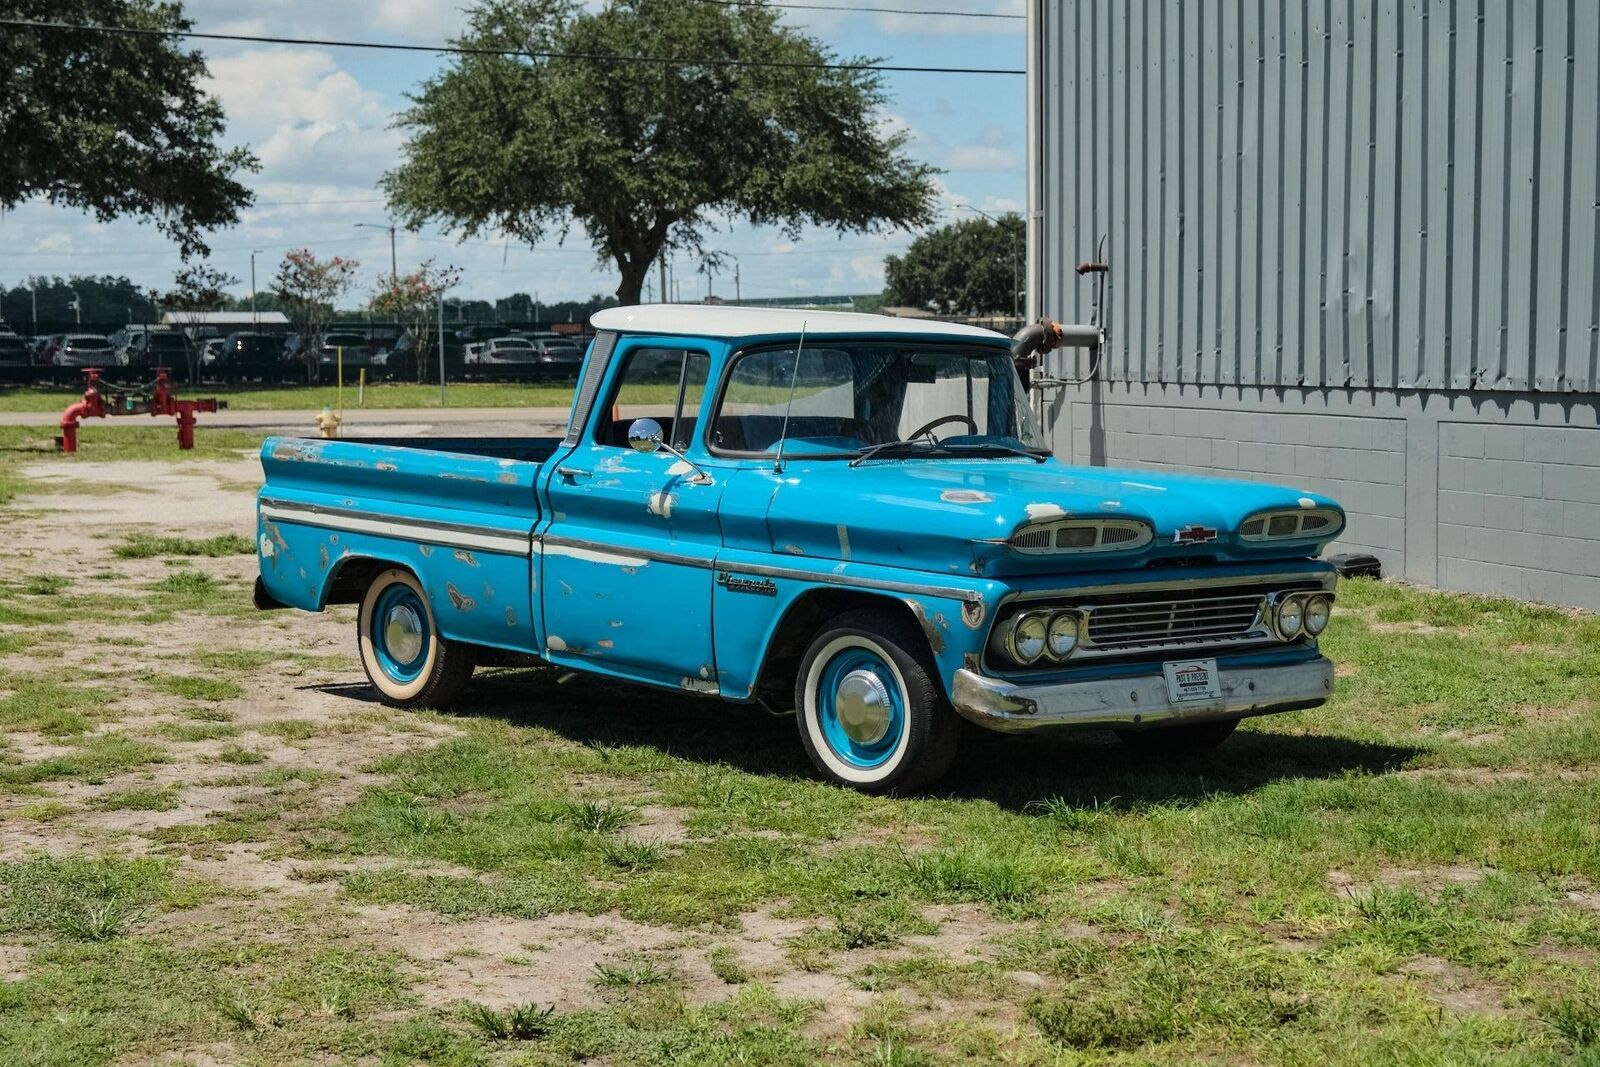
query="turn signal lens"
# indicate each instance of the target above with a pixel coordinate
(1063, 637)
(1290, 617)
(1319, 609)
(1028, 637)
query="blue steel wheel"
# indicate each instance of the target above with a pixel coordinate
(870, 714)
(408, 662)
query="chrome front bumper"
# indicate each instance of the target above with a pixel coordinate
(1139, 701)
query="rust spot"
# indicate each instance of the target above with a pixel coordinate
(794, 550)
(607, 643)
(384, 465)
(511, 616)
(459, 600)
(322, 556)
(970, 661)
(697, 685)
(463, 556)
(932, 632)
(506, 478)
(426, 550)
(972, 614)
(333, 539)
(944, 623)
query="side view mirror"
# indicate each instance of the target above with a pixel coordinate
(645, 435)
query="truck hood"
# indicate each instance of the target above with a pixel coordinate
(956, 514)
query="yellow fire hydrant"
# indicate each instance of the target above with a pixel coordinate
(328, 422)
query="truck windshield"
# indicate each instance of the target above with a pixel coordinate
(843, 399)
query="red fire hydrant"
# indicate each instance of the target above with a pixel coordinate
(157, 401)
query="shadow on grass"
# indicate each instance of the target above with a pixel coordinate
(1081, 768)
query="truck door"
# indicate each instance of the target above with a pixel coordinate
(626, 577)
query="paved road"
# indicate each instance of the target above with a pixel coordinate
(422, 422)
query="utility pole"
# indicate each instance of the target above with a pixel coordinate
(661, 269)
(33, 320)
(394, 264)
(255, 316)
(737, 298)
(77, 306)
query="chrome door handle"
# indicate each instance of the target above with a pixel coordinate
(572, 474)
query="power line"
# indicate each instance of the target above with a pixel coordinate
(869, 10)
(699, 61)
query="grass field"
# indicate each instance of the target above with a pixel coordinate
(217, 848)
(311, 398)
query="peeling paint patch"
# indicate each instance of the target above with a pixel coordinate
(1307, 502)
(333, 539)
(463, 556)
(511, 616)
(1038, 512)
(932, 632)
(794, 550)
(488, 591)
(384, 465)
(844, 541)
(322, 556)
(965, 496)
(970, 661)
(555, 644)
(1112, 504)
(606, 643)
(679, 468)
(944, 623)
(661, 504)
(972, 613)
(459, 600)
(705, 670)
(426, 550)
(698, 685)
(566, 590)
(506, 478)
(268, 549)
(616, 624)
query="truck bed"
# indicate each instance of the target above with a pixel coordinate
(458, 512)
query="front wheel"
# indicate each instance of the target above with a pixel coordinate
(870, 712)
(406, 660)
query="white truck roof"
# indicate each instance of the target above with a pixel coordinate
(712, 320)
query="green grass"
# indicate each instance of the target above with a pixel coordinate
(314, 398)
(1408, 875)
(147, 546)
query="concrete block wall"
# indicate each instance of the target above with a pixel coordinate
(1496, 495)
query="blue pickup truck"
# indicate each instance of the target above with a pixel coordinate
(850, 518)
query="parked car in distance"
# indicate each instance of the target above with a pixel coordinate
(86, 350)
(211, 350)
(247, 355)
(158, 349)
(44, 348)
(15, 351)
(850, 519)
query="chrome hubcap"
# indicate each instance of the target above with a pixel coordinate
(402, 632)
(863, 706)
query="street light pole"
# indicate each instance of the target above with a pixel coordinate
(255, 316)
(77, 306)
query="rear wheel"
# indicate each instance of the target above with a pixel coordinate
(870, 712)
(1190, 739)
(406, 660)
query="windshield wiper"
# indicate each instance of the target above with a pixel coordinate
(873, 450)
(1000, 446)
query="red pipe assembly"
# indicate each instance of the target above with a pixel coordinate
(155, 399)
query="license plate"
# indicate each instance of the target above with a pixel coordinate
(1189, 680)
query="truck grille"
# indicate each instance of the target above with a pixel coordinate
(1177, 618)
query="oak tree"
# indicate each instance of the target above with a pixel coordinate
(114, 123)
(971, 267)
(648, 123)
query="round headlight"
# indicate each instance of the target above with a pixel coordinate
(1319, 609)
(1290, 617)
(1063, 637)
(1028, 637)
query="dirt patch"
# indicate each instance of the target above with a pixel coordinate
(1454, 987)
(14, 962)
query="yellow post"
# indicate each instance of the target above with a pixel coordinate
(361, 389)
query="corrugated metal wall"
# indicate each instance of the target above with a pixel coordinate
(1328, 192)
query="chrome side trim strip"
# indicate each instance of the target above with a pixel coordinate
(769, 571)
(449, 534)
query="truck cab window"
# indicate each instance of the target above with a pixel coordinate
(665, 384)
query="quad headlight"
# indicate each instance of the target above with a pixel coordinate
(1318, 612)
(1032, 636)
(1288, 617)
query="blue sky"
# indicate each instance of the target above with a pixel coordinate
(319, 119)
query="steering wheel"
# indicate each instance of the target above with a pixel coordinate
(940, 421)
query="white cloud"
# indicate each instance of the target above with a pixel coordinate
(982, 157)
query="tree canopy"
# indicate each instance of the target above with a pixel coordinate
(115, 124)
(722, 113)
(969, 267)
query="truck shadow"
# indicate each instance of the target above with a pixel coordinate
(1083, 769)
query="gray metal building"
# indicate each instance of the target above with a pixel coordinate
(1353, 247)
